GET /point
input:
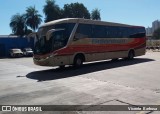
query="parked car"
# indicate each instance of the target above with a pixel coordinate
(16, 52)
(28, 52)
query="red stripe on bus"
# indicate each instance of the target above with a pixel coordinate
(94, 48)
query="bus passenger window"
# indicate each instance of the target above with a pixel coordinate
(83, 31)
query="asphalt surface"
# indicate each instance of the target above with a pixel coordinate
(135, 82)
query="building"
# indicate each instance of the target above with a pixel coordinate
(9, 42)
(149, 31)
(155, 25)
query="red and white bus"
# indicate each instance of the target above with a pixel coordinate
(72, 41)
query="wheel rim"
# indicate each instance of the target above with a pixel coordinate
(79, 62)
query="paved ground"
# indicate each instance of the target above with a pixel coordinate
(135, 82)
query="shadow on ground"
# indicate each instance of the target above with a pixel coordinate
(53, 74)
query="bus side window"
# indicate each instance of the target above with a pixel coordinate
(107, 32)
(111, 33)
(125, 32)
(99, 31)
(83, 31)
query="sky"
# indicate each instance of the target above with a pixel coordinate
(133, 12)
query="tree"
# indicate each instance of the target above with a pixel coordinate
(33, 19)
(95, 15)
(156, 34)
(51, 11)
(75, 10)
(28, 31)
(17, 24)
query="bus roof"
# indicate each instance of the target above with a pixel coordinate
(85, 21)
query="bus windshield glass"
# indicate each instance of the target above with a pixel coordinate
(58, 39)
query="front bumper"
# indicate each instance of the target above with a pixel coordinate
(47, 61)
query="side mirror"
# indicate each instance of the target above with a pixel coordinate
(76, 37)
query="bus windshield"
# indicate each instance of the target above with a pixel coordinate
(58, 39)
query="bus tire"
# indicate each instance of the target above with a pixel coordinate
(130, 55)
(62, 66)
(114, 60)
(78, 61)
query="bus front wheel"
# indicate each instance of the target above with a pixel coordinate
(130, 55)
(78, 61)
(62, 66)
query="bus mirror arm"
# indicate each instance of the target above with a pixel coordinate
(31, 35)
(49, 33)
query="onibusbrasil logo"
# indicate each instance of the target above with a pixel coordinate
(21, 108)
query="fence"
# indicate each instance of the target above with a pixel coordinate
(7, 43)
(153, 44)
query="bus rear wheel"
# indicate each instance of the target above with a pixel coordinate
(78, 61)
(130, 55)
